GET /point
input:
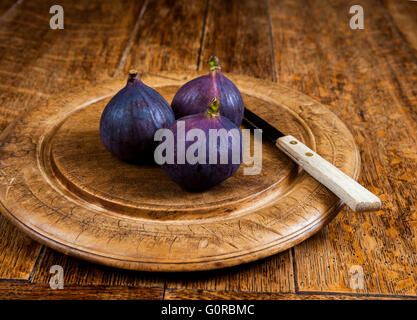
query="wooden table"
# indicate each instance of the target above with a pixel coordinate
(367, 77)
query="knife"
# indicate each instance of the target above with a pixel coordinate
(348, 190)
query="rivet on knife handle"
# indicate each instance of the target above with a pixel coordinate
(348, 190)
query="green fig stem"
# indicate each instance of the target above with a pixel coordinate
(213, 63)
(133, 75)
(213, 107)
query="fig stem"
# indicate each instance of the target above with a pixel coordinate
(133, 74)
(213, 63)
(213, 107)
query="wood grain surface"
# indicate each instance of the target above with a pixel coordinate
(367, 77)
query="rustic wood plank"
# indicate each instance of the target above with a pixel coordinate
(36, 62)
(79, 272)
(8, 8)
(273, 274)
(169, 37)
(19, 291)
(181, 294)
(368, 79)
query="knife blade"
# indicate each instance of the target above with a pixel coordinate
(357, 197)
(270, 132)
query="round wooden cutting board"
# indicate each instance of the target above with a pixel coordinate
(59, 185)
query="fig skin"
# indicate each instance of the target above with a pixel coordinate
(198, 177)
(130, 119)
(194, 96)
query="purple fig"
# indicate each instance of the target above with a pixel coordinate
(222, 154)
(194, 96)
(131, 118)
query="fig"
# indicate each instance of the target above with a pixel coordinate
(131, 118)
(211, 146)
(194, 96)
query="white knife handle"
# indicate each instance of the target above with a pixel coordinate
(348, 190)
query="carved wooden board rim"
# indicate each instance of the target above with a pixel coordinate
(62, 199)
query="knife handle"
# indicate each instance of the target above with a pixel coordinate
(348, 190)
